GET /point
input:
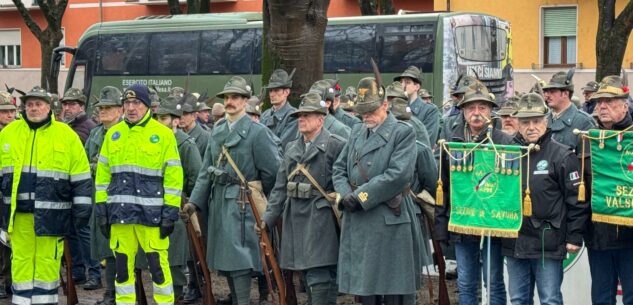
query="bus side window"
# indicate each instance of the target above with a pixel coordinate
(407, 45)
(123, 54)
(348, 48)
(227, 51)
(174, 53)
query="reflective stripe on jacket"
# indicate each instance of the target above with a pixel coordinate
(44, 171)
(139, 177)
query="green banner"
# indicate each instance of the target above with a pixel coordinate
(485, 188)
(612, 168)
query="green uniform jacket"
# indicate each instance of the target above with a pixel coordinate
(421, 134)
(309, 237)
(563, 127)
(282, 124)
(201, 137)
(231, 240)
(99, 245)
(346, 118)
(333, 125)
(424, 178)
(377, 252)
(178, 251)
(429, 115)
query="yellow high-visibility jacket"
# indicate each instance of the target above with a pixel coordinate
(45, 171)
(139, 177)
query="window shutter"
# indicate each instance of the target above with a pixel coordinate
(559, 21)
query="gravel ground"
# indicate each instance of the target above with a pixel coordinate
(220, 290)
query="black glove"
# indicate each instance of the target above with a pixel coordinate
(80, 222)
(351, 203)
(166, 228)
(104, 226)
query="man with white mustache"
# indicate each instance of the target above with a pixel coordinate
(476, 108)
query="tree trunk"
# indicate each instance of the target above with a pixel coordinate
(386, 7)
(49, 40)
(293, 33)
(367, 7)
(174, 7)
(612, 37)
(205, 6)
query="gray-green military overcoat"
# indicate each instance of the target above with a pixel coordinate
(377, 252)
(563, 126)
(99, 245)
(309, 237)
(282, 124)
(334, 126)
(421, 134)
(178, 251)
(345, 117)
(429, 115)
(232, 244)
(425, 178)
(201, 137)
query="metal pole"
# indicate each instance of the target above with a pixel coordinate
(488, 270)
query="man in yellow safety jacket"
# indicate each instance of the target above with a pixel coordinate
(138, 187)
(46, 187)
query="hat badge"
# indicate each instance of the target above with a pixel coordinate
(130, 94)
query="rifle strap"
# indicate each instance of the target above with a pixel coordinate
(225, 152)
(302, 169)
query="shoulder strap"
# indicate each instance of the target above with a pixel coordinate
(301, 168)
(225, 153)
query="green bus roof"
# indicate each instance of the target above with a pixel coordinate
(196, 22)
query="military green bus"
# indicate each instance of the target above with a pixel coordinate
(207, 49)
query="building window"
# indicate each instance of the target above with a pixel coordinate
(559, 33)
(10, 49)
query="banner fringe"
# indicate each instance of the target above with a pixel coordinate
(483, 232)
(612, 219)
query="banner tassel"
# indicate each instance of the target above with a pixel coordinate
(581, 187)
(527, 204)
(439, 193)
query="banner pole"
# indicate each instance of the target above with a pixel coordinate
(488, 267)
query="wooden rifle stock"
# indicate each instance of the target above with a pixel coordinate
(69, 285)
(200, 260)
(268, 257)
(291, 294)
(141, 297)
(441, 267)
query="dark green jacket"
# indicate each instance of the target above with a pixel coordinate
(309, 237)
(563, 127)
(346, 118)
(282, 124)
(429, 115)
(334, 126)
(201, 137)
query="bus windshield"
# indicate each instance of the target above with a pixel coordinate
(481, 43)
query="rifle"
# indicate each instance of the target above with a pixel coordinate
(69, 285)
(441, 266)
(268, 257)
(199, 258)
(141, 298)
(291, 294)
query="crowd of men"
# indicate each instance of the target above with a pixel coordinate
(346, 179)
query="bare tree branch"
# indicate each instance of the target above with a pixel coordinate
(625, 19)
(30, 23)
